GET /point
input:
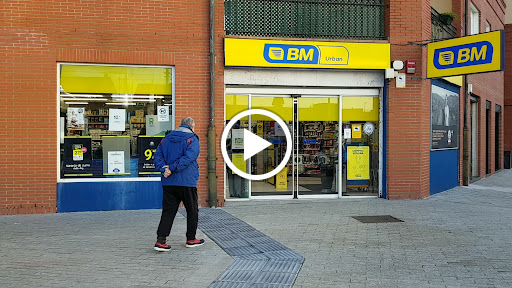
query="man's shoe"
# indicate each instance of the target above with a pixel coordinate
(162, 247)
(194, 243)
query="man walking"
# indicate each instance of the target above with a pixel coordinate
(176, 158)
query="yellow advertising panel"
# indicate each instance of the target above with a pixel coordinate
(239, 162)
(466, 55)
(356, 131)
(358, 162)
(116, 79)
(282, 179)
(306, 54)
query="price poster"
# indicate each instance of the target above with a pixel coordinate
(358, 162)
(116, 119)
(77, 156)
(147, 149)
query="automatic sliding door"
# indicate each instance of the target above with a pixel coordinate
(268, 159)
(317, 154)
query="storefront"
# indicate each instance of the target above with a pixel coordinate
(330, 94)
(111, 119)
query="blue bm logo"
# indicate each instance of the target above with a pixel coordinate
(463, 55)
(291, 54)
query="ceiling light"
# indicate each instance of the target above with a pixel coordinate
(137, 97)
(84, 95)
(135, 100)
(83, 99)
(122, 104)
(77, 103)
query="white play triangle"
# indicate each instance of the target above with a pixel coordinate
(253, 144)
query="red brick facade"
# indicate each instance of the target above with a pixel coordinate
(508, 90)
(36, 35)
(409, 108)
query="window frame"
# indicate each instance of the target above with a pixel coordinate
(474, 20)
(58, 140)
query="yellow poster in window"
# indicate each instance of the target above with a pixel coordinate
(358, 162)
(282, 179)
(259, 127)
(239, 162)
(356, 130)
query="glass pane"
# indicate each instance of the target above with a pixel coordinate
(122, 103)
(317, 158)
(360, 158)
(236, 186)
(360, 109)
(271, 157)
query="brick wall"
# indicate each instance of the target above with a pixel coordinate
(486, 86)
(408, 151)
(508, 90)
(489, 87)
(36, 35)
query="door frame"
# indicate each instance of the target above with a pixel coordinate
(318, 92)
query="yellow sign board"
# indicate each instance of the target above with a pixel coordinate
(356, 131)
(282, 179)
(306, 54)
(239, 162)
(358, 162)
(466, 55)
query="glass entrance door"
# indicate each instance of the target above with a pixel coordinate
(313, 167)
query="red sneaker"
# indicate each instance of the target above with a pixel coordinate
(162, 247)
(194, 243)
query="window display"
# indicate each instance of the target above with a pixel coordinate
(114, 117)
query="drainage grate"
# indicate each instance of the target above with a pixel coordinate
(377, 219)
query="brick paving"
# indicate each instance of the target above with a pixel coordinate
(458, 238)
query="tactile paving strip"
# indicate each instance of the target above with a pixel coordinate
(260, 261)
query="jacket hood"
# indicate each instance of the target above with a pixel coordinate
(180, 134)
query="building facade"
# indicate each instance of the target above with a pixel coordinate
(98, 84)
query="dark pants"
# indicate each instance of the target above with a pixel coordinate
(173, 195)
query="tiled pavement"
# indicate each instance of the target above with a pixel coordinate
(458, 238)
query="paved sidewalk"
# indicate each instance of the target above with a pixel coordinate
(458, 238)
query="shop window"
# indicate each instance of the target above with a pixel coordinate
(487, 27)
(112, 118)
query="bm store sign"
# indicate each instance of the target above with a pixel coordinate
(466, 55)
(305, 54)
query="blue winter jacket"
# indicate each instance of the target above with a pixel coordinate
(180, 154)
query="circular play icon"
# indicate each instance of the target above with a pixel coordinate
(253, 144)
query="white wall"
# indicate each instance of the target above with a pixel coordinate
(304, 78)
(442, 5)
(508, 13)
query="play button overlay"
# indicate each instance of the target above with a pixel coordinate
(253, 144)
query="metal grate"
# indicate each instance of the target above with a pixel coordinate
(329, 19)
(377, 219)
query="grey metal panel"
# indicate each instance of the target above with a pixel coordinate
(237, 251)
(224, 284)
(276, 278)
(282, 266)
(237, 276)
(251, 265)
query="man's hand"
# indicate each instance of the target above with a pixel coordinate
(167, 172)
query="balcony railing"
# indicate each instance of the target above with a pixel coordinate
(441, 31)
(329, 19)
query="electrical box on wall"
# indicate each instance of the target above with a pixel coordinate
(411, 66)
